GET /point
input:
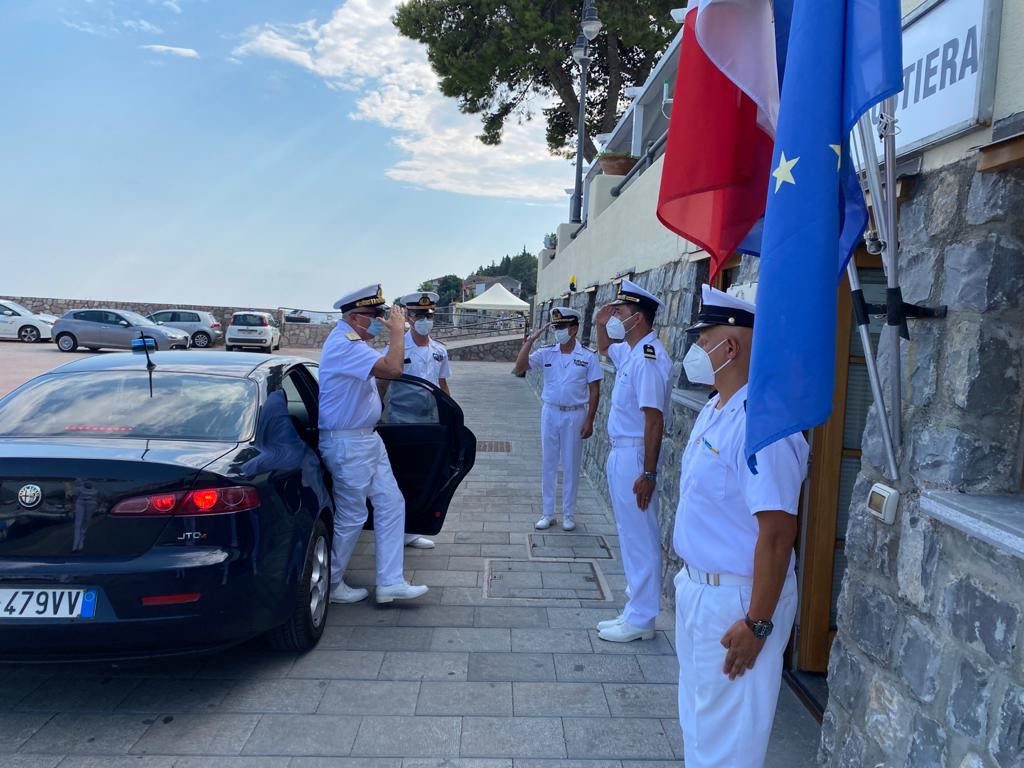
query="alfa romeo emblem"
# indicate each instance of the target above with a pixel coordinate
(30, 495)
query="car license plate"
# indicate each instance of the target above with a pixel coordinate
(246, 331)
(32, 603)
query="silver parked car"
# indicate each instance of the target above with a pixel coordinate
(202, 327)
(112, 329)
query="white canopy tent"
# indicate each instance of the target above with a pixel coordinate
(497, 298)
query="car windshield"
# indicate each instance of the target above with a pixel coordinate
(184, 406)
(135, 318)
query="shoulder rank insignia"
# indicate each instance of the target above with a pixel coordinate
(649, 352)
(352, 336)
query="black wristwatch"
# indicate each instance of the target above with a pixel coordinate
(761, 629)
(650, 475)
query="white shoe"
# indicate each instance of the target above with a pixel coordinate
(568, 524)
(609, 623)
(343, 593)
(624, 632)
(403, 590)
(420, 542)
(544, 523)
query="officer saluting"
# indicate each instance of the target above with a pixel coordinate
(734, 530)
(636, 423)
(427, 359)
(350, 407)
(572, 387)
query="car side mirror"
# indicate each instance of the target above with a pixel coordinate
(9, 312)
(124, 324)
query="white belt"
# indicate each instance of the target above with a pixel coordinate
(565, 407)
(715, 579)
(347, 432)
(622, 442)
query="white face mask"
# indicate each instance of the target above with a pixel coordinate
(698, 367)
(423, 327)
(616, 329)
(561, 335)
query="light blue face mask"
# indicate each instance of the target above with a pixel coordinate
(376, 327)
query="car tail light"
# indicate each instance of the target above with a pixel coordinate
(215, 324)
(205, 501)
(264, 321)
(179, 599)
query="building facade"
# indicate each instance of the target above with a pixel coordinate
(917, 623)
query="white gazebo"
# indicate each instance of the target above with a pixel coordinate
(497, 298)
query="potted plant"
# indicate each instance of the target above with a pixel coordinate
(616, 163)
(551, 241)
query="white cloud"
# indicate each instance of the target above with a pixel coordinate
(141, 25)
(172, 5)
(170, 50)
(89, 28)
(358, 49)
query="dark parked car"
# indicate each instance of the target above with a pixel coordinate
(183, 508)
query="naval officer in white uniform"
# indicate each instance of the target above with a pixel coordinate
(572, 388)
(350, 407)
(734, 530)
(636, 424)
(425, 358)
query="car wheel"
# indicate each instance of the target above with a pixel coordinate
(269, 349)
(312, 598)
(200, 340)
(29, 334)
(228, 348)
(67, 342)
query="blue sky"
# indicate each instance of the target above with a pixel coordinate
(246, 152)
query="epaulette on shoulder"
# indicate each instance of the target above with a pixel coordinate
(589, 349)
(649, 352)
(352, 336)
(548, 346)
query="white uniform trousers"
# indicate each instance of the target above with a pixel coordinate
(361, 470)
(726, 723)
(639, 534)
(560, 444)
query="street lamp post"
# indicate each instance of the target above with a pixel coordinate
(590, 25)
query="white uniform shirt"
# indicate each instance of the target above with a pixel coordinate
(428, 362)
(642, 380)
(566, 376)
(348, 390)
(715, 528)
(411, 404)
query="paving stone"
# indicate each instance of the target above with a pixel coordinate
(457, 762)
(369, 697)
(478, 698)
(339, 665)
(35, 761)
(659, 646)
(111, 761)
(398, 736)
(88, 733)
(303, 735)
(511, 617)
(595, 737)
(362, 614)
(17, 728)
(512, 737)
(482, 537)
(642, 699)
(436, 616)
(569, 545)
(659, 669)
(345, 762)
(511, 666)
(579, 618)
(237, 667)
(597, 668)
(81, 695)
(390, 638)
(174, 696)
(14, 690)
(275, 696)
(551, 640)
(531, 763)
(206, 734)
(559, 699)
(402, 665)
(222, 761)
(471, 639)
(447, 578)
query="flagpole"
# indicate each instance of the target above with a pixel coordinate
(894, 299)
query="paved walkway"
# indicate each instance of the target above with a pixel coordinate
(499, 666)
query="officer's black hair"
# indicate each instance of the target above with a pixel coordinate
(648, 312)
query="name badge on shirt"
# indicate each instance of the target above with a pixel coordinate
(438, 356)
(582, 363)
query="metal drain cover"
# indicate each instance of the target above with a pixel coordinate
(569, 546)
(539, 580)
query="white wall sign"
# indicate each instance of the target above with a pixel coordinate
(950, 50)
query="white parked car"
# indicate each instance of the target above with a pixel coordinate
(17, 322)
(253, 330)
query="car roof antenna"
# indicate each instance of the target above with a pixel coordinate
(150, 365)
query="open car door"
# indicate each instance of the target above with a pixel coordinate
(430, 448)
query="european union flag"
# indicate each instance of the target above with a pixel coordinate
(844, 56)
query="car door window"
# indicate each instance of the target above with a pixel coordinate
(188, 317)
(161, 317)
(5, 308)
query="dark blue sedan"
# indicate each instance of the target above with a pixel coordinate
(176, 508)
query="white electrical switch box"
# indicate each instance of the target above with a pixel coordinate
(882, 502)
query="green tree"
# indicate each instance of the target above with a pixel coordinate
(496, 56)
(522, 266)
(448, 289)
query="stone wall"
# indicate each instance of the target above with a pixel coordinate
(488, 351)
(926, 669)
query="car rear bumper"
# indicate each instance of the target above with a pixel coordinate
(235, 603)
(247, 341)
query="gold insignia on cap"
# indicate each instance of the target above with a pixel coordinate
(556, 314)
(425, 300)
(372, 301)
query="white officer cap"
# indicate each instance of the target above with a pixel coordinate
(631, 293)
(565, 315)
(425, 301)
(370, 296)
(719, 308)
